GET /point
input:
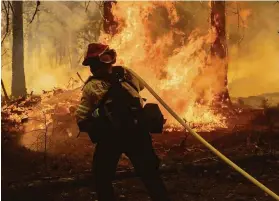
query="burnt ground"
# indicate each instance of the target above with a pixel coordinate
(190, 171)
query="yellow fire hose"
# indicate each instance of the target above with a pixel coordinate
(204, 142)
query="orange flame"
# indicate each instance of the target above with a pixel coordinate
(175, 68)
(176, 65)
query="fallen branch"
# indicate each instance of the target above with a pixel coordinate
(206, 159)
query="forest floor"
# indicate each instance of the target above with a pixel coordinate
(190, 171)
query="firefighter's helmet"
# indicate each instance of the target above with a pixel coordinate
(100, 53)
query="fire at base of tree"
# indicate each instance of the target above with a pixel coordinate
(210, 61)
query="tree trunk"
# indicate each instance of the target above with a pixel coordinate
(30, 49)
(74, 49)
(18, 76)
(38, 42)
(219, 47)
(110, 26)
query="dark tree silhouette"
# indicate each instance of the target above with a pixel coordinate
(18, 76)
(219, 47)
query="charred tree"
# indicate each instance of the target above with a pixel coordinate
(219, 48)
(18, 76)
(110, 25)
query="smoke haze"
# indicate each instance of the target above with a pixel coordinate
(54, 49)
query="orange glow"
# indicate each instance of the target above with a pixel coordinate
(176, 65)
(177, 71)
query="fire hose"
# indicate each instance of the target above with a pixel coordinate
(204, 142)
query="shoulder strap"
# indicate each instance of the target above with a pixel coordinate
(125, 80)
(128, 81)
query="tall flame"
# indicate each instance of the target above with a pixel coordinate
(176, 65)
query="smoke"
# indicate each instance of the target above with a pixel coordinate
(170, 50)
(254, 62)
(54, 46)
(253, 43)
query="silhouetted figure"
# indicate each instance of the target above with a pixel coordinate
(111, 113)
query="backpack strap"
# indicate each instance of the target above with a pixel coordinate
(127, 80)
(124, 79)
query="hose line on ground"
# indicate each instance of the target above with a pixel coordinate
(204, 142)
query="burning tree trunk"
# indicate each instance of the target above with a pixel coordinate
(219, 46)
(18, 76)
(110, 26)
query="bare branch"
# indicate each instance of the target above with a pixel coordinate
(80, 77)
(36, 10)
(100, 4)
(3, 53)
(86, 7)
(12, 8)
(7, 22)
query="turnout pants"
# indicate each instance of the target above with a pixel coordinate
(138, 147)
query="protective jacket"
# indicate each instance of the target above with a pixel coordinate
(94, 90)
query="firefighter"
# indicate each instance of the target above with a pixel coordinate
(109, 112)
